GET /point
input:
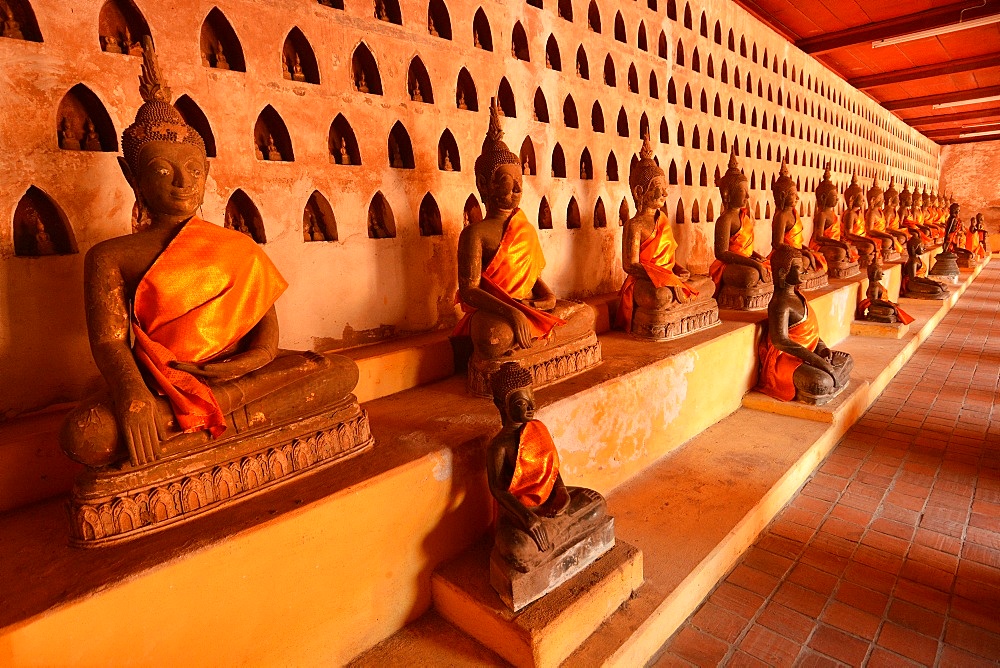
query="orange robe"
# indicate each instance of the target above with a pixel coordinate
(796, 238)
(537, 466)
(511, 276)
(740, 243)
(911, 224)
(657, 257)
(777, 367)
(835, 231)
(973, 244)
(879, 225)
(208, 288)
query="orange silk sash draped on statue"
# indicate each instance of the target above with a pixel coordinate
(511, 276)
(777, 367)
(910, 223)
(903, 316)
(973, 244)
(740, 243)
(796, 238)
(204, 292)
(879, 225)
(836, 232)
(537, 466)
(656, 255)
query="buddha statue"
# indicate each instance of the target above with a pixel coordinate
(542, 525)
(875, 225)
(828, 232)
(854, 223)
(786, 230)
(892, 217)
(91, 140)
(221, 62)
(510, 312)
(968, 245)
(908, 219)
(876, 307)
(345, 156)
(946, 263)
(43, 242)
(923, 211)
(69, 136)
(913, 285)
(660, 299)
(742, 276)
(297, 73)
(794, 361)
(984, 235)
(200, 405)
(273, 154)
(11, 27)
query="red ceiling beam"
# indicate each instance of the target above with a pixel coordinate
(929, 100)
(926, 71)
(968, 140)
(953, 118)
(902, 25)
(953, 133)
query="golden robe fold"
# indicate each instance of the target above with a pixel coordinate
(795, 237)
(777, 367)
(740, 243)
(537, 466)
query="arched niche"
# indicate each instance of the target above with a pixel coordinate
(600, 214)
(40, 227)
(472, 212)
(195, 117)
(540, 109)
(553, 60)
(622, 123)
(597, 117)
(612, 167)
(120, 27)
(429, 217)
(695, 212)
(83, 124)
(558, 162)
(519, 43)
(594, 17)
(654, 86)
(661, 46)
(610, 78)
(438, 19)
(342, 143)
(644, 125)
(271, 138)
(570, 117)
(400, 148)
(318, 221)
(696, 138)
(582, 64)
(633, 79)
(680, 216)
(623, 213)
(418, 82)
(703, 176)
(695, 60)
(620, 29)
(688, 97)
(505, 98)
(641, 37)
(544, 215)
(586, 165)
(332, 4)
(688, 19)
(573, 221)
(298, 60)
(672, 173)
(17, 21)
(243, 216)
(664, 131)
(565, 10)
(710, 212)
(220, 47)
(449, 159)
(364, 71)
(482, 36)
(388, 11)
(381, 222)
(679, 53)
(527, 156)
(465, 92)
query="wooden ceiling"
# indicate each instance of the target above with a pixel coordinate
(912, 77)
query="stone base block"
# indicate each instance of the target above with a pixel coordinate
(842, 270)
(548, 364)
(945, 268)
(969, 262)
(849, 403)
(884, 330)
(676, 322)
(548, 631)
(814, 281)
(893, 256)
(745, 299)
(118, 504)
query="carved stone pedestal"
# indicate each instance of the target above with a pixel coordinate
(813, 280)
(892, 256)
(945, 268)
(843, 269)
(117, 504)
(745, 299)
(663, 325)
(969, 261)
(883, 330)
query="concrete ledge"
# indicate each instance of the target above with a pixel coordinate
(882, 330)
(846, 406)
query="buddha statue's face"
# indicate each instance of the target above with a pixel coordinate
(521, 405)
(655, 195)
(737, 195)
(893, 202)
(790, 199)
(954, 209)
(877, 202)
(503, 192)
(829, 199)
(794, 274)
(171, 178)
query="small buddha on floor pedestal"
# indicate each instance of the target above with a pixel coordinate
(828, 232)
(660, 299)
(794, 361)
(946, 263)
(786, 230)
(853, 224)
(545, 531)
(969, 246)
(913, 285)
(875, 225)
(510, 313)
(742, 276)
(201, 407)
(876, 307)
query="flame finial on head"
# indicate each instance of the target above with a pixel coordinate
(494, 152)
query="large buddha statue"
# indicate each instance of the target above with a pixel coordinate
(794, 361)
(510, 313)
(659, 299)
(913, 285)
(828, 232)
(892, 217)
(200, 405)
(876, 307)
(875, 225)
(854, 223)
(787, 230)
(546, 532)
(742, 276)
(946, 263)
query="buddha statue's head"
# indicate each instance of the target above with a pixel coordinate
(925, 198)
(733, 186)
(786, 266)
(784, 190)
(647, 181)
(855, 194)
(875, 272)
(953, 209)
(512, 393)
(905, 198)
(498, 169)
(979, 220)
(164, 157)
(827, 195)
(892, 195)
(876, 196)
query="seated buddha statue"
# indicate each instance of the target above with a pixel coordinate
(183, 328)
(984, 235)
(875, 225)
(659, 299)
(969, 244)
(742, 276)
(794, 361)
(787, 230)
(541, 524)
(828, 234)
(892, 217)
(946, 262)
(853, 222)
(876, 307)
(908, 218)
(913, 285)
(928, 215)
(510, 312)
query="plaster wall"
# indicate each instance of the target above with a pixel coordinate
(972, 173)
(359, 289)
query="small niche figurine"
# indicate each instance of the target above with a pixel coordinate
(220, 58)
(91, 140)
(360, 83)
(447, 162)
(297, 73)
(43, 242)
(345, 157)
(417, 96)
(876, 307)
(461, 100)
(11, 28)
(69, 138)
(273, 154)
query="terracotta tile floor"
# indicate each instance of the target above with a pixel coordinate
(890, 554)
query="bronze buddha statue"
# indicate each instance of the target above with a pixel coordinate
(787, 230)
(893, 220)
(876, 224)
(913, 285)
(828, 233)
(946, 263)
(876, 307)
(854, 223)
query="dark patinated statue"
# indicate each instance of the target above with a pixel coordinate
(828, 232)
(787, 230)
(913, 285)
(946, 263)
(546, 532)
(876, 225)
(893, 221)
(794, 361)
(854, 223)
(876, 307)
(196, 385)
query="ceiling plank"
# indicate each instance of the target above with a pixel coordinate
(767, 18)
(967, 140)
(926, 71)
(953, 118)
(928, 100)
(953, 133)
(931, 18)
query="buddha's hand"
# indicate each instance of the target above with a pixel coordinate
(764, 271)
(545, 303)
(681, 272)
(522, 329)
(236, 366)
(136, 413)
(538, 533)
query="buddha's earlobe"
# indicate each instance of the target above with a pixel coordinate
(127, 171)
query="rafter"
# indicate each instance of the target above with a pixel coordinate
(922, 121)
(942, 98)
(926, 71)
(955, 132)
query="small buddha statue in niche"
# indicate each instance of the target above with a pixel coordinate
(395, 159)
(787, 230)
(475, 39)
(913, 285)
(510, 312)
(892, 218)
(875, 225)
(659, 299)
(361, 84)
(345, 157)
(43, 242)
(540, 521)
(828, 237)
(854, 223)
(69, 136)
(273, 154)
(11, 28)
(795, 364)
(416, 95)
(876, 307)
(220, 57)
(447, 166)
(91, 140)
(461, 100)
(110, 44)
(526, 168)
(377, 228)
(548, 61)
(130, 47)
(431, 27)
(584, 174)
(380, 12)
(296, 71)
(235, 221)
(742, 276)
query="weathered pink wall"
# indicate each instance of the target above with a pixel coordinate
(972, 173)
